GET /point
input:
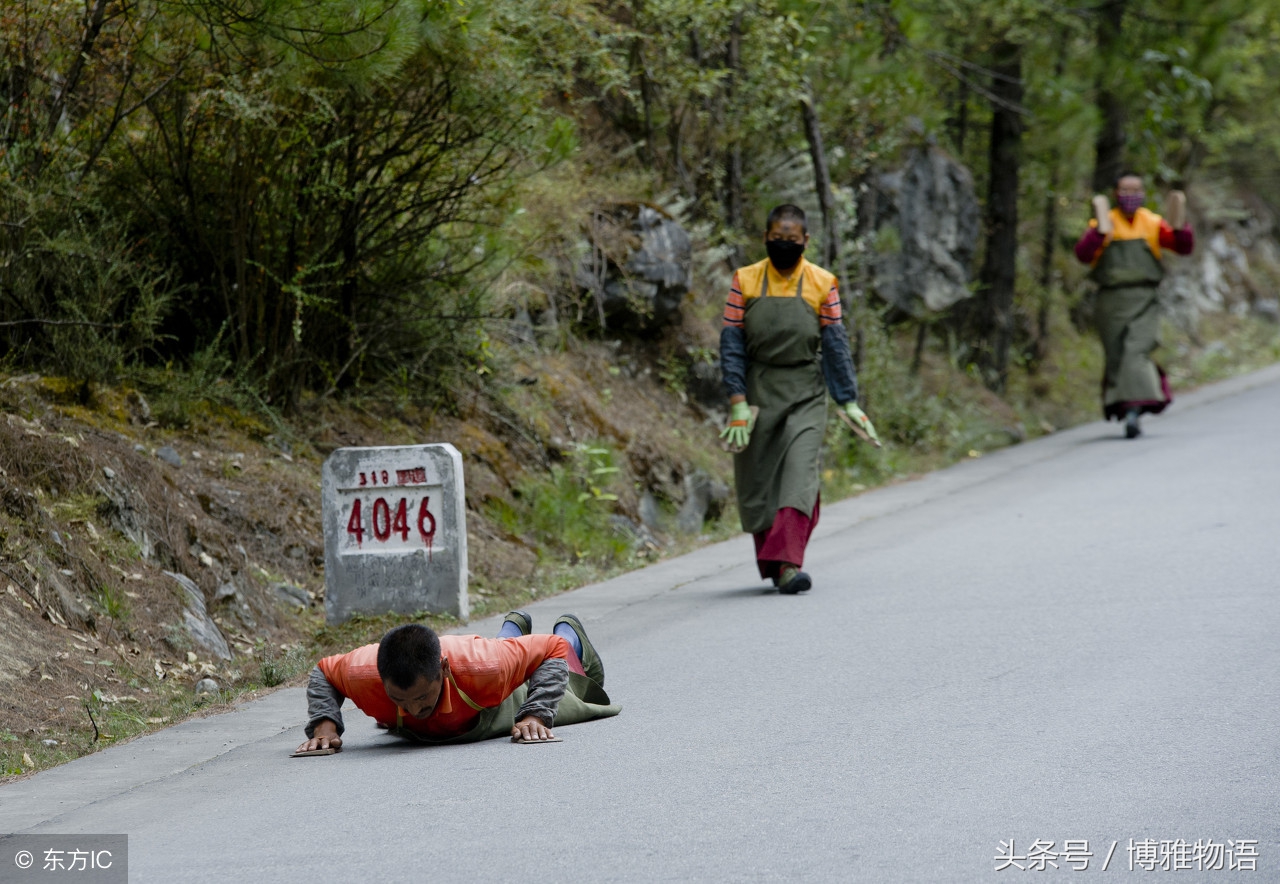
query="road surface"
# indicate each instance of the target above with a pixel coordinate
(1074, 639)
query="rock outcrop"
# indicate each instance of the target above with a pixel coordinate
(1236, 263)
(638, 268)
(195, 617)
(925, 218)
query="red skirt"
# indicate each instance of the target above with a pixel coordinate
(785, 541)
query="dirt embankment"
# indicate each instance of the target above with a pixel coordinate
(101, 509)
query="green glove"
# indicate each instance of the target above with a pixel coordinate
(738, 433)
(860, 420)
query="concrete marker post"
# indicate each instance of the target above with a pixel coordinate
(395, 531)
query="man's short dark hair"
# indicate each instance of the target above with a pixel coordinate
(408, 653)
(786, 212)
(1127, 173)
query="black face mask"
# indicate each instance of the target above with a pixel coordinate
(784, 253)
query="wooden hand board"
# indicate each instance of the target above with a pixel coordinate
(311, 752)
(857, 430)
(533, 742)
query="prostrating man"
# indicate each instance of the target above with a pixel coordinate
(462, 688)
(782, 335)
(1124, 246)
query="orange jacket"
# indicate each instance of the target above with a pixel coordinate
(483, 673)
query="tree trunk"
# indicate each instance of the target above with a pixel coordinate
(647, 156)
(1040, 347)
(733, 213)
(822, 183)
(1109, 147)
(856, 295)
(999, 270)
(94, 18)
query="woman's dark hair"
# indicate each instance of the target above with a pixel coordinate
(408, 653)
(786, 212)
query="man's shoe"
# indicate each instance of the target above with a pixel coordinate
(522, 621)
(792, 580)
(591, 663)
(1132, 429)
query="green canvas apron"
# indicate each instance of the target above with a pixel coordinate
(1128, 316)
(781, 467)
(582, 701)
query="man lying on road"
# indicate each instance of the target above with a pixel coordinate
(462, 688)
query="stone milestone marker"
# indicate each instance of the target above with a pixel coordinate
(395, 531)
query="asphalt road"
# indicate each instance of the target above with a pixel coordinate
(1076, 638)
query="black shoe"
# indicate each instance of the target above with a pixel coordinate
(523, 621)
(1132, 429)
(591, 663)
(792, 580)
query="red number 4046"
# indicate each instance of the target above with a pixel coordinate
(384, 521)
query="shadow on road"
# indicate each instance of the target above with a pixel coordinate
(747, 591)
(1118, 437)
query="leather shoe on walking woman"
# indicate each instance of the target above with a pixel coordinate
(792, 580)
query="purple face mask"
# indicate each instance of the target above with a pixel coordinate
(1130, 202)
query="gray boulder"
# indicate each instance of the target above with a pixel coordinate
(650, 514)
(291, 595)
(638, 267)
(195, 617)
(926, 222)
(206, 686)
(641, 538)
(125, 510)
(703, 497)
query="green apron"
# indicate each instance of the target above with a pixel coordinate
(583, 701)
(781, 467)
(1128, 316)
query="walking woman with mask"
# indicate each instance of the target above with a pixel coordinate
(783, 347)
(1124, 245)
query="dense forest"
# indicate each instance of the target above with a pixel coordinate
(310, 196)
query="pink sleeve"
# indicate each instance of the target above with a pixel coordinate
(1181, 241)
(1089, 245)
(1184, 241)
